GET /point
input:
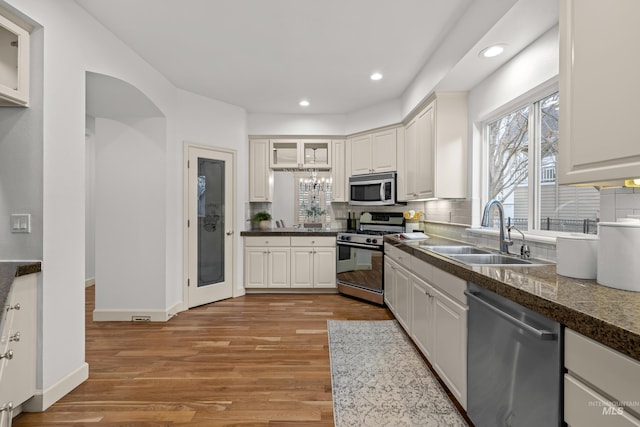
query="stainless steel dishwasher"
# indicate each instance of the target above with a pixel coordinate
(514, 363)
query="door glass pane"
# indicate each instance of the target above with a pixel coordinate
(508, 166)
(210, 221)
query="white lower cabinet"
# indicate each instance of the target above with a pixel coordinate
(431, 306)
(401, 285)
(313, 267)
(601, 385)
(389, 284)
(423, 316)
(289, 262)
(267, 267)
(18, 371)
(450, 344)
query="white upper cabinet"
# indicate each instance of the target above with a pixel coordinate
(374, 152)
(599, 62)
(300, 154)
(339, 178)
(435, 149)
(14, 64)
(260, 175)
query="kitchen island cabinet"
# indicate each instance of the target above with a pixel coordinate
(599, 59)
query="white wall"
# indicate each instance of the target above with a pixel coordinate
(130, 214)
(295, 124)
(21, 166)
(74, 44)
(212, 123)
(536, 65)
(90, 203)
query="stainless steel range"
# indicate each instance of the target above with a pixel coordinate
(360, 254)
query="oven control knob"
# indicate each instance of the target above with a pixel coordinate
(368, 240)
(347, 238)
(374, 241)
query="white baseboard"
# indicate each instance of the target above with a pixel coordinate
(116, 315)
(89, 282)
(43, 399)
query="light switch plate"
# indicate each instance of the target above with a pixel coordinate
(21, 223)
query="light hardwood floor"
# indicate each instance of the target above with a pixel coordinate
(257, 360)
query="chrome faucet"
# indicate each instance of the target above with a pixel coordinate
(504, 243)
(525, 252)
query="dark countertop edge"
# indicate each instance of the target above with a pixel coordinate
(28, 268)
(9, 270)
(293, 233)
(614, 336)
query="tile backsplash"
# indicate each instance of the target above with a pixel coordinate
(618, 203)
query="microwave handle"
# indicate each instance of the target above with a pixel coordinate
(382, 192)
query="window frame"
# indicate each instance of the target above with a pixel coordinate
(528, 100)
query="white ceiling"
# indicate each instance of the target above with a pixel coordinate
(267, 55)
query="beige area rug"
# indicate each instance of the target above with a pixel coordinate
(379, 380)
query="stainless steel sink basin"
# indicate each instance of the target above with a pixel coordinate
(495, 259)
(446, 250)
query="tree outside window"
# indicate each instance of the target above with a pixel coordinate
(522, 165)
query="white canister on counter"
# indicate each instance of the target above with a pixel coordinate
(619, 255)
(577, 256)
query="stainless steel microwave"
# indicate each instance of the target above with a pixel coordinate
(376, 189)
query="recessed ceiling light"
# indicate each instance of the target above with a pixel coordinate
(491, 51)
(304, 103)
(376, 76)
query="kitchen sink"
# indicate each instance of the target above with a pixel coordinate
(456, 250)
(495, 259)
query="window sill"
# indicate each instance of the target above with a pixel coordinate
(549, 237)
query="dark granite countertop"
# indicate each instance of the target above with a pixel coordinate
(10, 270)
(609, 316)
(292, 232)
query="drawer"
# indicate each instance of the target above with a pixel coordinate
(267, 241)
(450, 285)
(313, 241)
(399, 256)
(585, 407)
(613, 373)
(422, 269)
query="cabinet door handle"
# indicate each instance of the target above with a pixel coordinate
(15, 337)
(14, 307)
(8, 355)
(229, 233)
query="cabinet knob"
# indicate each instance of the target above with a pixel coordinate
(229, 233)
(8, 355)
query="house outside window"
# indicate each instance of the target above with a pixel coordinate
(522, 151)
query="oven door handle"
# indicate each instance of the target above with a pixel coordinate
(358, 245)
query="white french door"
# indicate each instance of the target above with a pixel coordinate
(210, 231)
